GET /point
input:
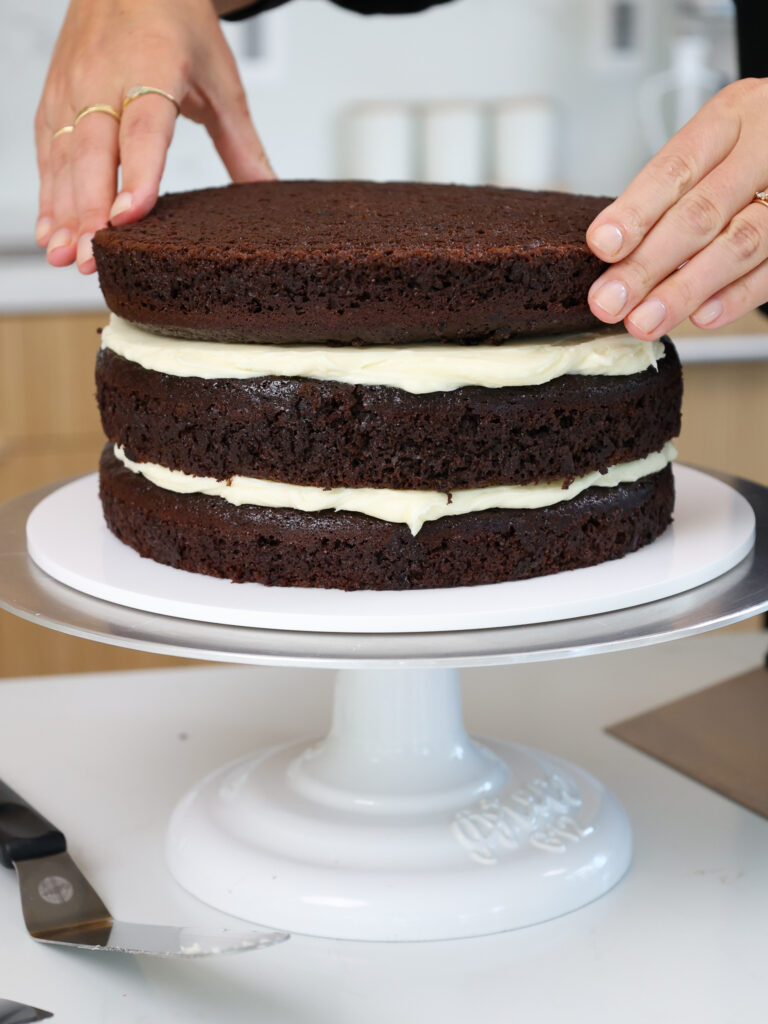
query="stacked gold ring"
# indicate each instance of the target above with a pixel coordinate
(761, 197)
(136, 91)
(95, 108)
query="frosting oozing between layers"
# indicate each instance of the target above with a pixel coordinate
(416, 368)
(414, 508)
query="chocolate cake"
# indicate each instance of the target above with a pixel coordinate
(354, 262)
(290, 459)
(356, 552)
(329, 434)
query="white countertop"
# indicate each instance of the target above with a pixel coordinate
(681, 938)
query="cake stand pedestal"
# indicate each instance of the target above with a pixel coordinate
(397, 825)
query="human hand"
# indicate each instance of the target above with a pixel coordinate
(684, 238)
(106, 47)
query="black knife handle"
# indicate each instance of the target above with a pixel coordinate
(24, 833)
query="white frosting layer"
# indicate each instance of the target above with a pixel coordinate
(419, 369)
(413, 508)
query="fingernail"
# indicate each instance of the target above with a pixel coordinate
(648, 315)
(59, 239)
(607, 239)
(43, 229)
(121, 204)
(707, 313)
(84, 249)
(611, 296)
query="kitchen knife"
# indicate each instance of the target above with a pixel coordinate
(61, 906)
(20, 1013)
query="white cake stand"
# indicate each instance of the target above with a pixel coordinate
(397, 825)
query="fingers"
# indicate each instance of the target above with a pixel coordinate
(83, 169)
(103, 50)
(735, 300)
(146, 131)
(60, 250)
(688, 157)
(224, 112)
(44, 224)
(55, 225)
(685, 228)
(238, 144)
(734, 254)
(93, 169)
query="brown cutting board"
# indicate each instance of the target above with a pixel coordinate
(718, 736)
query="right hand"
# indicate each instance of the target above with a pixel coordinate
(104, 48)
(685, 238)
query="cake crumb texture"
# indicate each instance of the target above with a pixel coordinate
(350, 551)
(327, 434)
(354, 262)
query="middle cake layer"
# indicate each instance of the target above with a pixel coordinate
(332, 434)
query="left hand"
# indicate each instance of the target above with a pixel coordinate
(104, 48)
(685, 238)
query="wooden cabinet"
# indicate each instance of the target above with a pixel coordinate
(49, 430)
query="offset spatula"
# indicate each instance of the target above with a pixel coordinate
(61, 906)
(20, 1013)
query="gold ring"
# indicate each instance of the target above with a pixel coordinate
(761, 197)
(149, 90)
(96, 108)
(63, 131)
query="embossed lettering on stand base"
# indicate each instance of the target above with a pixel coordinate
(539, 814)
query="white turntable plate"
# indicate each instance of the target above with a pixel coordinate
(713, 530)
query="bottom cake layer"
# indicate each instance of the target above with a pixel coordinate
(351, 551)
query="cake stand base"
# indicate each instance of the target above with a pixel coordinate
(398, 826)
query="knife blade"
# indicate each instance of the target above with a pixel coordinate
(62, 907)
(20, 1013)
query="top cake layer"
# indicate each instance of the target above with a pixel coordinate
(354, 262)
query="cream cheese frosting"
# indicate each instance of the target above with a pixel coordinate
(419, 369)
(414, 508)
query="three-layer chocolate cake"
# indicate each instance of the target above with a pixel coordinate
(375, 387)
